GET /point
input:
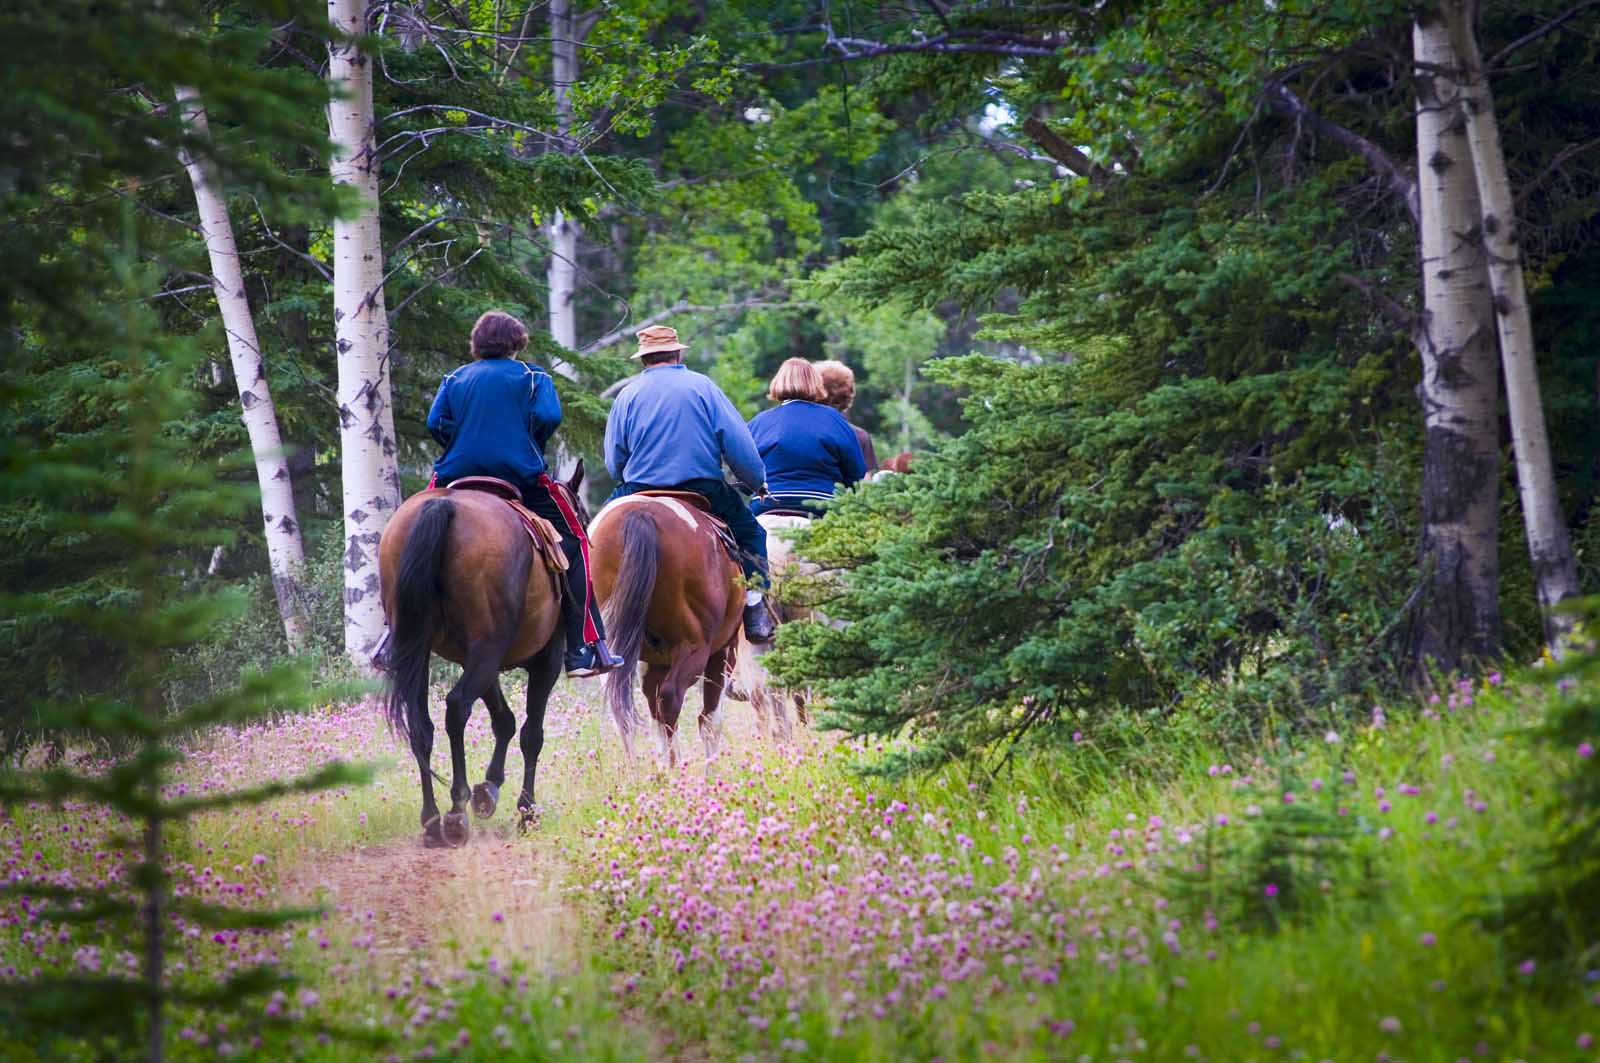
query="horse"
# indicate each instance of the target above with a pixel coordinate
(460, 577)
(789, 571)
(673, 598)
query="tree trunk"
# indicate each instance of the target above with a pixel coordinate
(285, 552)
(1554, 569)
(1458, 620)
(562, 276)
(361, 328)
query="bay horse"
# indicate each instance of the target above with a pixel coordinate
(673, 598)
(460, 577)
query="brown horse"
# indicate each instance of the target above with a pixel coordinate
(674, 599)
(460, 578)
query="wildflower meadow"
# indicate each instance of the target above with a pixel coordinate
(1320, 900)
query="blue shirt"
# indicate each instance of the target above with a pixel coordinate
(807, 448)
(672, 425)
(493, 418)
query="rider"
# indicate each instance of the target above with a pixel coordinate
(807, 446)
(671, 429)
(839, 381)
(493, 417)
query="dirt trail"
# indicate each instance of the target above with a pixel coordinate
(498, 892)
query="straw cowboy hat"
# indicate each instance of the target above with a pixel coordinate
(658, 339)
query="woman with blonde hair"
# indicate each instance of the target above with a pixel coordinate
(839, 382)
(807, 446)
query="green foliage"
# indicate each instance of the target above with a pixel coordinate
(1557, 917)
(154, 506)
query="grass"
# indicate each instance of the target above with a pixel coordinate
(1316, 902)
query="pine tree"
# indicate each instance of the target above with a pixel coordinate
(158, 507)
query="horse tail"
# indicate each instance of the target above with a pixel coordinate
(626, 612)
(416, 596)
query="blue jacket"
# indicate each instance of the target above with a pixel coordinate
(493, 418)
(672, 425)
(807, 448)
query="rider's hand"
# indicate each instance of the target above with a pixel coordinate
(764, 492)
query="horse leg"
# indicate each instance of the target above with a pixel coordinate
(487, 793)
(422, 749)
(716, 673)
(543, 671)
(684, 671)
(654, 675)
(481, 672)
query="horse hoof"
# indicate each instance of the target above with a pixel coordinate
(485, 796)
(455, 829)
(527, 818)
(433, 836)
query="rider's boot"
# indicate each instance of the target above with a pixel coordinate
(758, 623)
(591, 658)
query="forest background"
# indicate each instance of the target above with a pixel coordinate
(1141, 284)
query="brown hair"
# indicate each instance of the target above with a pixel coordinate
(839, 382)
(797, 379)
(498, 335)
(660, 358)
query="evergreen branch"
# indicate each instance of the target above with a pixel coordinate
(682, 306)
(335, 773)
(1056, 146)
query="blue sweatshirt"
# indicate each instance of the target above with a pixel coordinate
(672, 425)
(807, 448)
(493, 418)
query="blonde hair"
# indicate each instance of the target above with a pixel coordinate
(797, 379)
(839, 382)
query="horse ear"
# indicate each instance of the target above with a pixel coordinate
(577, 478)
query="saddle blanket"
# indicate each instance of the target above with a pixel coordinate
(546, 540)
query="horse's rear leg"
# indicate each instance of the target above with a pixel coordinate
(479, 674)
(543, 671)
(650, 683)
(711, 697)
(486, 795)
(422, 749)
(669, 698)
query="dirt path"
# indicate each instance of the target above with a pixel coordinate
(498, 892)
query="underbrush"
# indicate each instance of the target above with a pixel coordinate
(1319, 901)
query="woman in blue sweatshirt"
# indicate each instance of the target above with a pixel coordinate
(493, 417)
(807, 446)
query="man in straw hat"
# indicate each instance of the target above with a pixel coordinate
(671, 429)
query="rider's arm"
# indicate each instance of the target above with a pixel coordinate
(544, 408)
(738, 448)
(441, 422)
(616, 445)
(848, 450)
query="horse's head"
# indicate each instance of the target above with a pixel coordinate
(573, 485)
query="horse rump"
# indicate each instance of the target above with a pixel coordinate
(627, 610)
(415, 615)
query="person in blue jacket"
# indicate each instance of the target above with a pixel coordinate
(672, 428)
(806, 445)
(493, 417)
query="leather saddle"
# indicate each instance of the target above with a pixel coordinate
(546, 539)
(703, 504)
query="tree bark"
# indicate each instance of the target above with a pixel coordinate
(562, 276)
(1458, 620)
(361, 329)
(286, 556)
(1555, 571)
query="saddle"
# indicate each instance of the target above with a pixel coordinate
(703, 504)
(546, 540)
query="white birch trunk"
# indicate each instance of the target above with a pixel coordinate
(1554, 569)
(562, 276)
(285, 551)
(1459, 618)
(361, 328)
